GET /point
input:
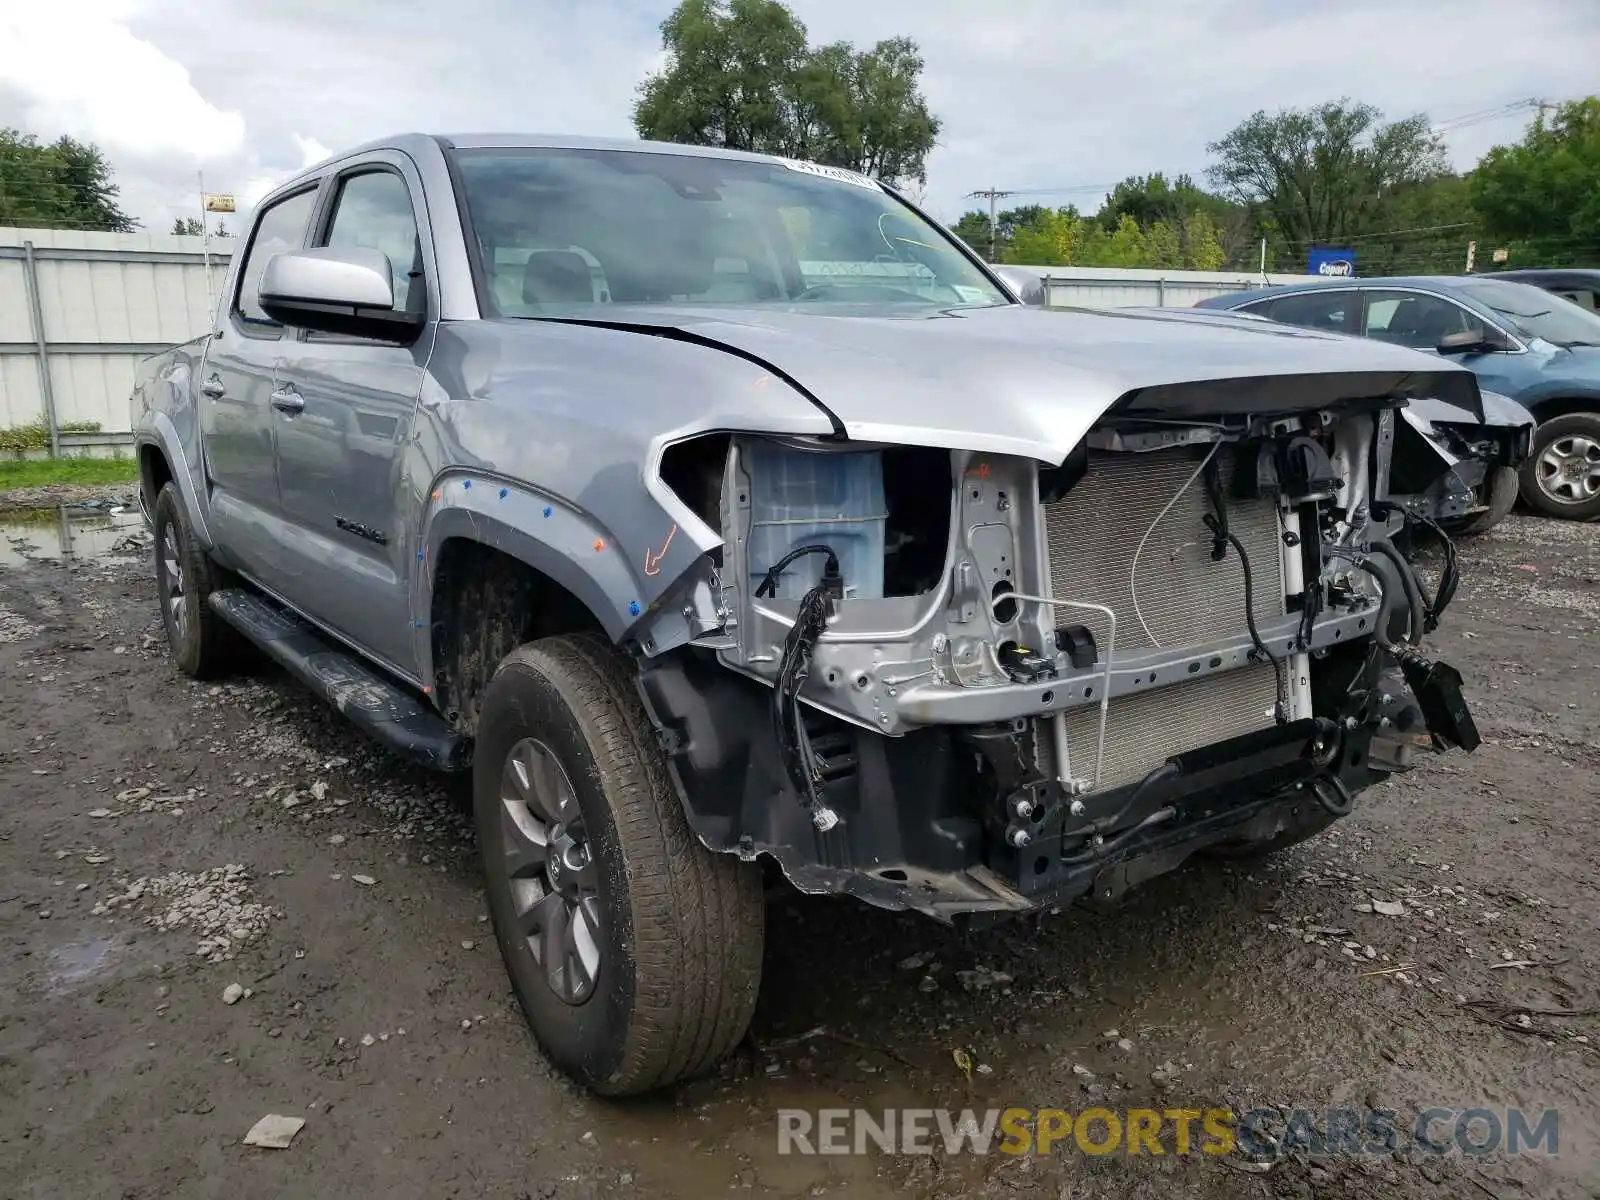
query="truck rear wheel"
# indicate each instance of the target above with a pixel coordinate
(202, 643)
(634, 951)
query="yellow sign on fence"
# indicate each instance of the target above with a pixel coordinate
(219, 204)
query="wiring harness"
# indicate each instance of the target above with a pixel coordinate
(794, 666)
(1221, 538)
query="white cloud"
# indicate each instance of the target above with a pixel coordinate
(1034, 94)
(80, 70)
(311, 151)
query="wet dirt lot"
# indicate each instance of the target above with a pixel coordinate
(161, 840)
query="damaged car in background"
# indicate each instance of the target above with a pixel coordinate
(721, 513)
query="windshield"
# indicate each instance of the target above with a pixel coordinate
(1534, 312)
(558, 229)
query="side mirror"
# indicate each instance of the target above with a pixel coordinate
(1027, 285)
(342, 290)
(1484, 340)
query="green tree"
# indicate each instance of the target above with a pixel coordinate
(1544, 191)
(188, 227)
(66, 184)
(740, 74)
(1420, 229)
(1045, 239)
(973, 229)
(1061, 237)
(1322, 174)
(1152, 198)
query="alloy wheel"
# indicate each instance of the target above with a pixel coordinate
(172, 576)
(549, 864)
(1569, 469)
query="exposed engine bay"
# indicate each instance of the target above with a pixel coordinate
(966, 683)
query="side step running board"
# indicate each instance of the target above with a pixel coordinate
(385, 710)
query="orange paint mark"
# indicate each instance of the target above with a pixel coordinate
(599, 545)
(652, 560)
(427, 691)
(981, 470)
(437, 493)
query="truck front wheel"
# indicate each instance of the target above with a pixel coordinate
(634, 951)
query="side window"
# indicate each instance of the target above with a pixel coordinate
(282, 227)
(373, 212)
(1413, 319)
(1583, 297)
(1327, 311)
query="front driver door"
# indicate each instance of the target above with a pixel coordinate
(1420, 319)
(343, 413)
(235, 384)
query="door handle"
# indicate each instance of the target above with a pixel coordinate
(286, 399)
(213, 387)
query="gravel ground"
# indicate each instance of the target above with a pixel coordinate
(218, 903)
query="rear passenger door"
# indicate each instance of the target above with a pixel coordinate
(344, 414)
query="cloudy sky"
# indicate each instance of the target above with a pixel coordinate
(1034, 94)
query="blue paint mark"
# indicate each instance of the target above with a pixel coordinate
(503, 493)
(633, 608)
(419, 624)
(548, 511)
(420, 553)
(466, 485)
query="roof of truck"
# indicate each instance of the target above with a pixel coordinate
(418, 144)
(412, 142)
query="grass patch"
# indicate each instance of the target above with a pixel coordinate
(87, 472)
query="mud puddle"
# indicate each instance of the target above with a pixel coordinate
(67, 533)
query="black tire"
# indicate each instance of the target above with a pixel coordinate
(1580, 429)
(202, 643)
(1502, 498)
(680, 928)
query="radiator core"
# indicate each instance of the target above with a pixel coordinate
(1184, 597)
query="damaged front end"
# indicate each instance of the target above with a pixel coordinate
(1444, 465)
(970, 683)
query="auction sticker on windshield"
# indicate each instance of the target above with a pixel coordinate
(838, 173)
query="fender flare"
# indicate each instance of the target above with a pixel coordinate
(159, 432)
(551, 535)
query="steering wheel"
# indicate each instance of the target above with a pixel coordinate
(870, 291)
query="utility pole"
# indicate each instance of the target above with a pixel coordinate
(205, 248)
(991, 194)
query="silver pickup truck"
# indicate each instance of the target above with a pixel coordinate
(724, 514)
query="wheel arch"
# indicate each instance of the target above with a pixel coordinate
(1563, 405)
(161, 460)
(500, 565)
